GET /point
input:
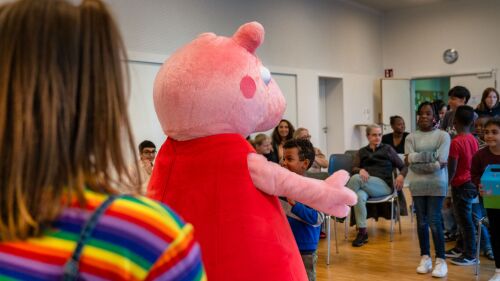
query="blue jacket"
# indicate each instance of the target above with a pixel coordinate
(306, 234)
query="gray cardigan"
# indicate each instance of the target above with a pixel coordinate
(426, 150)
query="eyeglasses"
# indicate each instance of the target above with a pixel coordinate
(149, 152)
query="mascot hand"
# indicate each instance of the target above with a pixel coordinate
(329, 196)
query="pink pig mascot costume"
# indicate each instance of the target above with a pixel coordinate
(208, 96)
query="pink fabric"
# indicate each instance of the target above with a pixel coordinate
(197, 92)
(329, 196)
(247, 87)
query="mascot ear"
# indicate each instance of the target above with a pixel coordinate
(250, 36)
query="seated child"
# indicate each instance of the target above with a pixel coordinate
(298, 156)
(262, 144)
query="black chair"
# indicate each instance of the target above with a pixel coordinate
(387, 206)
(352, 153)
(395, 213)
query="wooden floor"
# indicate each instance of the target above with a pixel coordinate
(380, 259)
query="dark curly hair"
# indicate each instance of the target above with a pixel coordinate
(392, 119)
(434, 112)
(305, 148)
(460, 92)
(493, 121)
(464, 115)
(146, 144)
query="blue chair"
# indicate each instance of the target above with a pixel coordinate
(340, 162)
(336, 162)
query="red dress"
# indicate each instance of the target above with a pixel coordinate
(243, 232)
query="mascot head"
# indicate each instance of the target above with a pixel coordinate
(216, 85)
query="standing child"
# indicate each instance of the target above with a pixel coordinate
(141, 176)
(484, 157)
(463, 191)
(298, 156)
(457, 96)
(426, 155)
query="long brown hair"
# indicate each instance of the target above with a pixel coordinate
(276, 136)
(63, 112)
(482, 105)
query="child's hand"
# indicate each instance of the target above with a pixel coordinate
(147, 165)
(447, 203)
(482, 191)
(291, 202)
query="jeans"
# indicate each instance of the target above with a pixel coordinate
(462, 203)
(448, 218)
(374, 187)
(478, 212)
(494, 218)
(310, 261)
(428, 211)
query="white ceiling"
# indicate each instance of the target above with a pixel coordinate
(388, 5)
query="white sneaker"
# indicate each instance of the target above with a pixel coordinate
(440, 268)
(495, 277)
(425, 265)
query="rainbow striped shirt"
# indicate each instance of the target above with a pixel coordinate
(135, 239)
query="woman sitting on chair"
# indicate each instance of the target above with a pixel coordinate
(372, 168)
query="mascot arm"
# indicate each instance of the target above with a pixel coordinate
(329, 196)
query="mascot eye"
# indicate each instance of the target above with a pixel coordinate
(265, 74)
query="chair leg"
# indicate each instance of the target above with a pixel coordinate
(327, 240)
(392, 220)
(479, 226)
(335, 235)
(398, 214)
(411, 213)
(346, 225)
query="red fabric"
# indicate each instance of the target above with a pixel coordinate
(462, 148)
(243, 232)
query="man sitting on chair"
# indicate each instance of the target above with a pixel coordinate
(372, 171)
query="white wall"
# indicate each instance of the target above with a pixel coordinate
(305, 38)
(415, 39)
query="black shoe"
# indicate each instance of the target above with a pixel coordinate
(341, 220)
(489, 255)
(360, 240)
(449, 237)
(462, 260)
(453, 253)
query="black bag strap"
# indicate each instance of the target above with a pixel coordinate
(71, 271)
